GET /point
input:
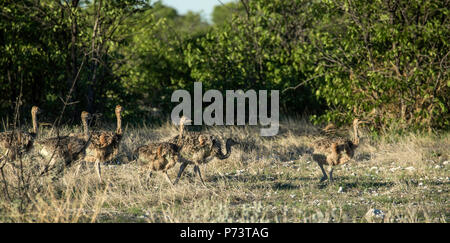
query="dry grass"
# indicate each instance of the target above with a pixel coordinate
(264, 180)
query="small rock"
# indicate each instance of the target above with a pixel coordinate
(410, 168)
(438, 167)
(446, 162)
(340, 190)
(395, 168)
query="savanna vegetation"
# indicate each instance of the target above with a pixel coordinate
(405, 178)
(383, 61)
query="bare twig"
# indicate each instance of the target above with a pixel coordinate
(302, 83)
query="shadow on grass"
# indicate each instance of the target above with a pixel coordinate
(276, 186)
(256, 178)
(366, 184)
(438, 183)
(284, 186)
(357, 184)
(290, 152)
(361, 157)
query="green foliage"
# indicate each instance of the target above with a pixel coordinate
(46, 45)
(29, 59)
(381, 60)
(387, 61)
(223, 14)
(153, 55)
(259, 50)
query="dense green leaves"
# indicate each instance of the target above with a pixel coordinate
(382, 60)
(261, 49)
(390, 63)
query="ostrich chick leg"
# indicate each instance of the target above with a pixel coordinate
(330, 172)
(197, 170)
(324, 177)
(182, 167)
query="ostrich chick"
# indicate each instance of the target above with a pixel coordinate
(104, 145)
(339, 152)
(16, 143)
(159, 157)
